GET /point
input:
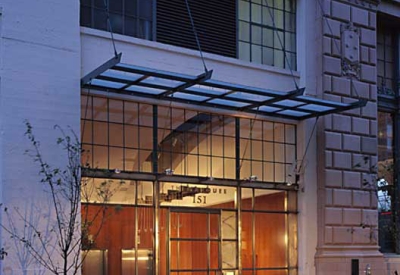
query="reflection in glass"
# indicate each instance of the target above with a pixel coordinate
(385, 161)
(385, 181)
(229, 256)
(190, 143)
(95, 262)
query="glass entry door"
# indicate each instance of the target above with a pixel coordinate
(201, 241)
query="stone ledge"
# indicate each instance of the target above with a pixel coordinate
(348, 251)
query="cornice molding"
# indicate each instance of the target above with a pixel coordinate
(366, 4)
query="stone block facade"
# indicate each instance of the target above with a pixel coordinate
(348, 143)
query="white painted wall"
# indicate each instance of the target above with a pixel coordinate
(40, 81)
(307, 49)
(97, 48)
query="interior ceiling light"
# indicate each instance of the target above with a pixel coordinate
(169, 172)
(253, 178)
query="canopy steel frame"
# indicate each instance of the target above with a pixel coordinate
(201, 90)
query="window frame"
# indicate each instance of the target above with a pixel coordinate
(390, 104)
(288, 62)
(288, 50)
(137, 17)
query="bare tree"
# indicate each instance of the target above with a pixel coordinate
(58, 240)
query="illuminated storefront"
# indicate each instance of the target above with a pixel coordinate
(201, 193)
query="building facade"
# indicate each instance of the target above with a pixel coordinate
(232, 137)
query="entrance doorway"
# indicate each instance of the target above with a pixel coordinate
(200, 241)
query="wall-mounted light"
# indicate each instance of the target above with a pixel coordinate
(117, 171)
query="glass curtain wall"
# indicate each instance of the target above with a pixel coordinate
(238, 216)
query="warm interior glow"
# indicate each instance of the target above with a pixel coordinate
(133, 258)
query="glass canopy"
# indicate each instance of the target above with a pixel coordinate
(201, 90)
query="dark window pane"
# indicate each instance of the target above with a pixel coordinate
(99, 4)
(86, 2)
(129, 17)
(130, 26)
(145, 29)
(100, 19)
(86, 16)
(115, 6)
(146, 9)
(116, 23)
(131, 7)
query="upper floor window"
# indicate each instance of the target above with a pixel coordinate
(128, 17)
(267, 31)
(259, 31)
(386, 66)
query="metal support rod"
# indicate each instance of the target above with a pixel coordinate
(136, 228)
(101, 69)
(239, 227)
(168, 241)
(237, 148)
(156, 193)
(156, 237)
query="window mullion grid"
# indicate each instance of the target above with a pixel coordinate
(198, 149)
(384, 59)
(108, 134)
(262, 152)
(92, 130)
(155, 166)
(237, 150)
(223, 149)
(138, 137)
(285, 161)
(123, 138)
(209, 150)
(395, 139)
(250, 142)
(396, 63)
